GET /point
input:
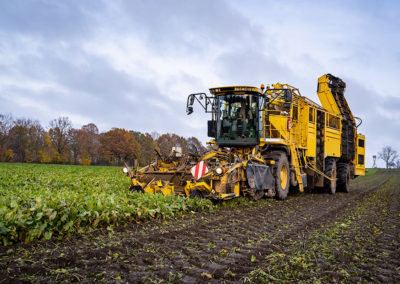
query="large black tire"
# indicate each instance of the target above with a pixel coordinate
(343, 175)
(282, 176)
(196, 194)
(330, 171)
(136, 188)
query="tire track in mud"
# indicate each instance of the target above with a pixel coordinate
(300, 224)
(278, 224)
(360, 246)
(221, 246)
(387, 253)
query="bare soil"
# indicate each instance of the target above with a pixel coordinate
(235, 243)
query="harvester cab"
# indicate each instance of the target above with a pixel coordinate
(236, 114)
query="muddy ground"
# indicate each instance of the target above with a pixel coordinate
(346, 237)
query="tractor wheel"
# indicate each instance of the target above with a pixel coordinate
(136, 188)
(330, 171)
(343, 174)
(196, 194)
(282, 177)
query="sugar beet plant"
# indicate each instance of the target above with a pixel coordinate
(45, 201)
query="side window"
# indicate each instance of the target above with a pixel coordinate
(361, 159)
(295, 113)
(361, 143)
(311, 115)
(333, 122)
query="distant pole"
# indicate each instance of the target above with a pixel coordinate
(374, 165)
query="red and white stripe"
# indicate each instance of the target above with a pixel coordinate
(199, 170)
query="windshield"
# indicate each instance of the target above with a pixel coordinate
(237, 118)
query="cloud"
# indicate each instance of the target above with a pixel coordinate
(132, 64)
(48, 19)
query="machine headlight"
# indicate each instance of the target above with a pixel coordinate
(218, 170)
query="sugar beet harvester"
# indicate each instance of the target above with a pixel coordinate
(266, 140)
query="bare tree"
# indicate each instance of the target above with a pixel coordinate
(59, 135)
(6, 123)
(155, 135)
(389, 155)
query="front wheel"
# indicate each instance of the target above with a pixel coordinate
(196, 194)
(282, 177)
(136, 188)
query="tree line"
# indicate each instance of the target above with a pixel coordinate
(27, 141)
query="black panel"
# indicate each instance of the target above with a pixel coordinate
(212, 128)
(259, 177)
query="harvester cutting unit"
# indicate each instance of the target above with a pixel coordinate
(266, 140)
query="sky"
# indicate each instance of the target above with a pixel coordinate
(131, 64)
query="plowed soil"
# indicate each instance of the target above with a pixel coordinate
(350, 237)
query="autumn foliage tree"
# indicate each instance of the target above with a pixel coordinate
(147, 145)
(6, 122)
(119, 145)
(90, 144)
(25, 140)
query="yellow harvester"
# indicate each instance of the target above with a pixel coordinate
(266, 140)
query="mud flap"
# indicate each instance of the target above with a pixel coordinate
(259, 177)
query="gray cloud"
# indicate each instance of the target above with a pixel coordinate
(52, 19)
(188, 23)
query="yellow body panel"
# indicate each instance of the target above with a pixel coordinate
(332, 142)
(279, 127)
(360, 156)
(311, 133)
(325, 95)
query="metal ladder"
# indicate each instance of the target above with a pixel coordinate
(295, 162)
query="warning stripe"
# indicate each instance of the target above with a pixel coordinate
(203, 169)
(199, 170)
(196, 172)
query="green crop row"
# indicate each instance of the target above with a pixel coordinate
(45, 201)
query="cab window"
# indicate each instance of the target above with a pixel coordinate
(311, 115)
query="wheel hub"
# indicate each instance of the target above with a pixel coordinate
(283, 177)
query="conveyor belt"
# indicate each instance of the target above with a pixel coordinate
(337, 87)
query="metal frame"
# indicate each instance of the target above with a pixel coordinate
(204, 100)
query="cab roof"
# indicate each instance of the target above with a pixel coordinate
(234, 89)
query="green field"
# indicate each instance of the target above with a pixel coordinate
(47, 201)
(53, 201)
(313, 237)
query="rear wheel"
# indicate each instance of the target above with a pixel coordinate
(282, 176)
(330, 171)
(343, 174)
